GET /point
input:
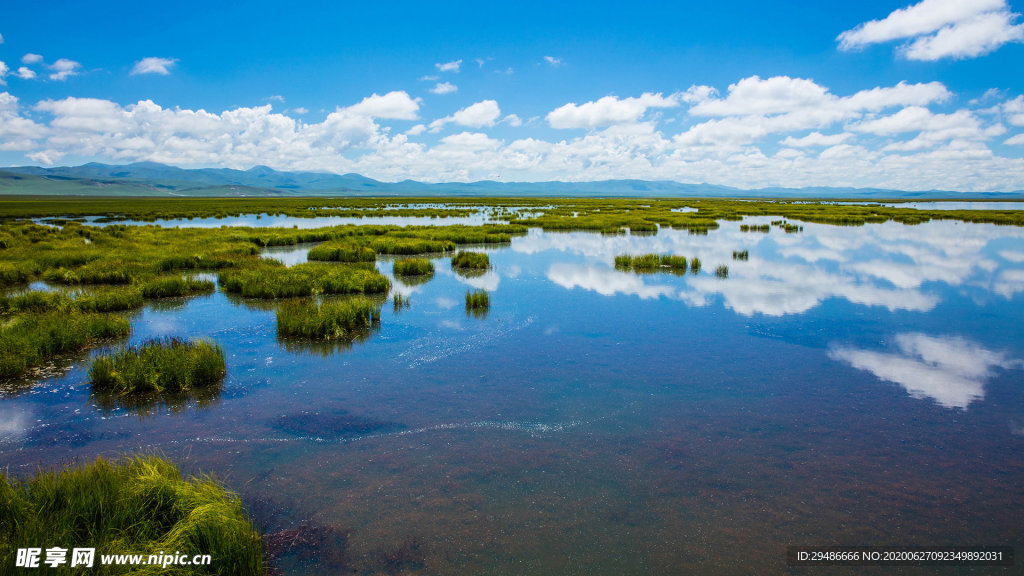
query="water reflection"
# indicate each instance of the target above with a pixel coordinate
(950, 370)
(888, 265)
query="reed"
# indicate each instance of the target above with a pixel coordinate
(695, 265)
(401, 302)
(722, 271)
(477, 300)
(413, 267)
(162, 365)
(743, 255)
(135, 505)
(330, 320)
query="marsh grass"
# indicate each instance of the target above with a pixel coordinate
(271, 279)
(413, 267)
(344, 320)
(400, 301)
(157, 366)
(722, 271)
(29, 340)
(764, 228)
(401, 245)
(478, 302)
(471, 261)
(743, 255)
(695, 265)
(650, 263)
(171, 286)
(341, 252)
(135, 505)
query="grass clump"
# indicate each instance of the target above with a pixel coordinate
(401, 302)
(341, 252)
(413, 267)
(651, 263)
(29, 340)
(163, 365)
(743, 255)
(722, 271)
(273, 280)
(471, 260)
(764, 228)
(176, 286)
(399, 245)
(136, 505)
(330, 320)
(477, 302)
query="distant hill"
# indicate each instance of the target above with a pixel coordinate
(153, 179)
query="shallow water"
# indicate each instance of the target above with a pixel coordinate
(845, 385)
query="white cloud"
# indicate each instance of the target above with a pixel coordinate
(63, 68)
(482, 114)
(25, 73)
(941, 29)
(607, 111)
(950, 370)
(1013, 111)
(300, 110)
(605, 281)
(444, 88)
(553, 61)
(512, 120)
(1015, 140)
(397, 105)
(817, 139)
(31, 58)
(154, 65)
(3, 72)
(1, 38)
(276, 98)
(449, 66)
(429, 78)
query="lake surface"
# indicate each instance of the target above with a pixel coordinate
(844, 386)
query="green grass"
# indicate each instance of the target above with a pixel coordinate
(646, 263)
(400, 245)
(29, 340)
(400, 302)
(743, 255)
(695, 265)
(135, 505)
(167, 287)
(471, 260)
(413, 267)
(270, 279)
(348, 320)
(341, 252)
(477, 302)
(764, 228)
(722, 271)
(164, 365)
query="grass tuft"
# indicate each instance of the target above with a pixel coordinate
(349, 319)
(648, 263)
(413, 267)
(176, 286)
(478, 302)
(722, 271)
(471, 260)
(341, 252)
(29, 340)
(163, 365)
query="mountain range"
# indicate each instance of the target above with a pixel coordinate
(154, 179)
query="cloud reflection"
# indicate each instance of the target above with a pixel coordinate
(950, 370)
(604, 281)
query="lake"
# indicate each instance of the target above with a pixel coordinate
(842, 386)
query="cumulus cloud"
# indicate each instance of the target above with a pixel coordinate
(817, 139)
(482, 114)
(3, 72)
(1013, 110)
(25, 73)
(452, 66)
(63, 68)
(940, 29)
(397, 105)
(950, 370)
(604, 281)
(444, 88)
(31, 58)
(154, 65)
(607, 111)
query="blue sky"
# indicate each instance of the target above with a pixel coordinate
(892, 94)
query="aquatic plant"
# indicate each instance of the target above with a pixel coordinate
(694, 265)
(169, 286)
(722, 271)
(161, 365)
(400, 302)
(271, 279)
(135, 505)
(329, 320)
(765, 228)
(471, 260)
(341, 252)
(477, 300)
(399, 245)
(30, 339)
(740, 255)
(651, 263)
(413, 267)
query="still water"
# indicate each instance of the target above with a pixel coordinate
(843, 386)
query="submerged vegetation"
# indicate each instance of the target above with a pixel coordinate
(137, 505)
(651, 263)
(170, 365)
(348, 320)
